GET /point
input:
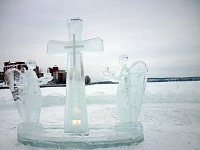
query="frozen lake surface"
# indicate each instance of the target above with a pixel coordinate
(173, 125)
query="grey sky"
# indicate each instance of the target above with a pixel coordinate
(165, 34)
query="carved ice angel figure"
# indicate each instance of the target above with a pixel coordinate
(25, 89)
(130, 90)
(123, 108)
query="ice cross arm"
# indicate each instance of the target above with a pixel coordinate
(63, 47)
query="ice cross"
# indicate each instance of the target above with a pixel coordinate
(74, 46)
(76, 120)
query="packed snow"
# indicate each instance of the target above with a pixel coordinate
(170, 115)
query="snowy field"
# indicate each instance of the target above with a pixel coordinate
(170, 115)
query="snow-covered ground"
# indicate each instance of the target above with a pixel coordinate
(155, 92)
(167, 125)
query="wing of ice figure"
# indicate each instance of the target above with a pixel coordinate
(13, 80)
(137, 83)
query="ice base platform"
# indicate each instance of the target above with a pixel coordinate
(100, 136)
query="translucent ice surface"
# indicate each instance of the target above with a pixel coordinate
(13, 79)
(130, 90)
(75, 132)
(61, 47)
(136, 87)
(76, 107)
(25, 89)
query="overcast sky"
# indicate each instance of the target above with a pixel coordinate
(165, 34)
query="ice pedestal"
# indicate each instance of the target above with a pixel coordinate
(99, 137)
(124, 128)
(27, 127)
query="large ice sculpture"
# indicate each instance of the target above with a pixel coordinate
(130, 90)
(25, 89)
(126, 132)
(76, 120)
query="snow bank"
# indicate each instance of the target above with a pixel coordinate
(157, 92)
